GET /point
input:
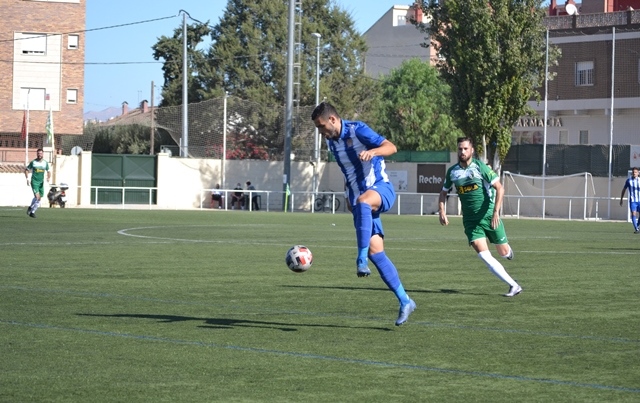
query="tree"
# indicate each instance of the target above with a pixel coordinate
(492, 55)
(102, 138)
(247, 58)
(248, 54)
(415, 109)
(171, 49)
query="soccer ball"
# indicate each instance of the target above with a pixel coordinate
(299, 258)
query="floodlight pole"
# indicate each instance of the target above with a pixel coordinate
(546, 116)
(316, 137)
(224, 141)
(613, 87)
(288, 124)
(184, 146)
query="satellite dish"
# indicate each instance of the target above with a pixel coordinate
(571, 9)
(77, 150)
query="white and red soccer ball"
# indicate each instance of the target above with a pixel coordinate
(299, 258)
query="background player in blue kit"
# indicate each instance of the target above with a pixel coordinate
(633, 184)
(360, 152)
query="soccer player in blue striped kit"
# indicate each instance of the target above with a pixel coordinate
(633, 184)
(360, 152)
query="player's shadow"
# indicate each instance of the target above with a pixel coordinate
(616, 249)
(332, 287)
(227, 323)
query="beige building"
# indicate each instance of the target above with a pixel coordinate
(42, 69)
(393, 39)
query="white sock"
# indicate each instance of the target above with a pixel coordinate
(36, 204)
(496, 268)
(33, 203)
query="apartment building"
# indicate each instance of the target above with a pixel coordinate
(41, 70)
(594, 95)
(600, 45)
(393, 39)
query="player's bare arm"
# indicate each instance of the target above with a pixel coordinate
(386, 149)
(442, 211)
(495, 220)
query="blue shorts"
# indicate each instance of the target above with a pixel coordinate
(388, 198)
(634, 206)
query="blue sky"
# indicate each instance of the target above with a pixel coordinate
(120, 65)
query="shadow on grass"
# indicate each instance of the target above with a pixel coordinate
(441, 291)
(227, 323)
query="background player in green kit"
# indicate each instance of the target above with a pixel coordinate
(480, 193)
(37, 168)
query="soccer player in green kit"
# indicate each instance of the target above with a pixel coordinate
(480, 193)
(37, 168)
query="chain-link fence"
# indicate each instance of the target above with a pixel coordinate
(252, 130)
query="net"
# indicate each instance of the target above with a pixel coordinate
(254, 130)
(570, 196)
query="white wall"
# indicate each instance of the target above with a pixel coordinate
(181, 182)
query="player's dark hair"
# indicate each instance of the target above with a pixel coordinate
(324, 110)
(39, 149)
(461, 139)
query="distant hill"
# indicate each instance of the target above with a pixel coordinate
(103, 115)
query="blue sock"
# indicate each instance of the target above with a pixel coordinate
(634, 221)
(363, 224)
(389, 275)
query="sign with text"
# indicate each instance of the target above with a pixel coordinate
(431, 177)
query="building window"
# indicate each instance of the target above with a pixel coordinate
(563, 137)
(584, 73)
(33, 98)
(72, 96)
(584, 136)
(73, 41)
(402, 20)
(33, 44)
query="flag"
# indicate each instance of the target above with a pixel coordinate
(23, 133)
(288, 190)
(49, 128)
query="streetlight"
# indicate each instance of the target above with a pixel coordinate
(316, 137)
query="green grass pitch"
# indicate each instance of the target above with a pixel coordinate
(198, 306)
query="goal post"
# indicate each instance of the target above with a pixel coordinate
(568, 196)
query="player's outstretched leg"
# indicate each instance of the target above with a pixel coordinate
(499, 271)
(389, 275)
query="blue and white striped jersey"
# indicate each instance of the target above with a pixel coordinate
(359, 175)
(633, 184)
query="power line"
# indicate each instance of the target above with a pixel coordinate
(116, 63)
(94, 29)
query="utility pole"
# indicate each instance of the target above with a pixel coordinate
(153, 123)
